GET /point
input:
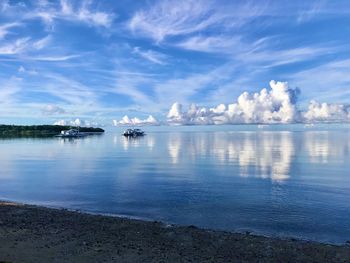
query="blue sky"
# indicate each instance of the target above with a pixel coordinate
(100, 60)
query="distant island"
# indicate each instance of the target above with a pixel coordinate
(40, 130)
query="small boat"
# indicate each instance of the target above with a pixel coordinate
(133, 133)
(72, 133)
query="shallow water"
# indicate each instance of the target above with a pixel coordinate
(288, 181)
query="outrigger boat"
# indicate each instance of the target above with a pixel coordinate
(133, 133)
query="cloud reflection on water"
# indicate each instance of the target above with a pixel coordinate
(322, 146)
(265, 154)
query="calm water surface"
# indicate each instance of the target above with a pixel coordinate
(292, 182)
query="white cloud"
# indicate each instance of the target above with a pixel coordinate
(76, 122)
(307, 13)
(9, 89)
(334, 87)
(53, 58)
(48, 12)
(41, 43)
(60, 123)
(277, 105)
(69, 90)
(95, 18)
(274, 106)
(84, 14)
(52, 110)
(131, 84)
(183, 17)
(183, 88)
(5, 29)
(214, 44)
(170, 18)
(150, 55)
(22, 69)
(15, 47)
(136, 121)
(23, 45)
(324, 112)
(272, 58)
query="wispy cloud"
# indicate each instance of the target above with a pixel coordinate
(90, 60)
(42, 43)
(132, 85)
(173, 18)
(328, 81)
(310, 12)
(23, 45)
(69, 90)
(169, 18)
(52, 110)
(185, 88)
(5, 29)
(52, 58)
(150, 55)
(84, 14)
(49, 12)
(212, 44)
(8, 89)
(22, 69)
(15, 47)
(271, 57)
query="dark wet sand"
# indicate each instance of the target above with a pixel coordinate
(37, 234)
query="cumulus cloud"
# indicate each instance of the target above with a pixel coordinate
(324, 112)
(277, 105)
(76, 122)
(125, 121)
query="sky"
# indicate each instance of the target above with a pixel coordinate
(182, 62)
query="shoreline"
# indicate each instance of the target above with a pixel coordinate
(30, 233)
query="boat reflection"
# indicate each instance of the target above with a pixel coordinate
(131, 142)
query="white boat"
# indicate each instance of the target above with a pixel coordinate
(133, 133)
(72, 133)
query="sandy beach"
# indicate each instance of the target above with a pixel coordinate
(37, 234)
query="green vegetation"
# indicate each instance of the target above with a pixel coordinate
(39, 130)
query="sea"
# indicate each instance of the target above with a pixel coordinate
(288, 181)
